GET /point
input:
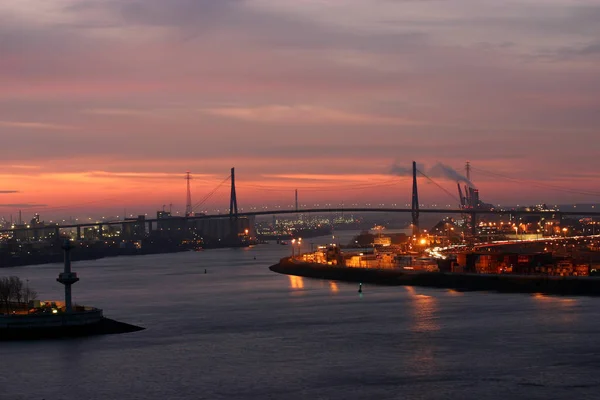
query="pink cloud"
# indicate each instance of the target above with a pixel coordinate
(35, 125)
(294, 94)
(305, 115)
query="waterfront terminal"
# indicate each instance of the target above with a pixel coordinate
(572, 286)
(473, 270)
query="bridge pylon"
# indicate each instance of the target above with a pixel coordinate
(233, 207)
(415, 202)
(188, 203)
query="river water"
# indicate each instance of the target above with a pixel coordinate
(242, 332)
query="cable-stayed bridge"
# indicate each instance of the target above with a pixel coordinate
(232, 212)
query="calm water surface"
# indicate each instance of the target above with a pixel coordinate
(243, 332)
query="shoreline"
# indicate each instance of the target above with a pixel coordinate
(87, 255)
(105, 326)
(566, 286)
(54, 258)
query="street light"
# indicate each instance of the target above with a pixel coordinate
(293, 242)
(447, 225)
(299, 246)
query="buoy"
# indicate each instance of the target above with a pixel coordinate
(360, 288)
(204, 270)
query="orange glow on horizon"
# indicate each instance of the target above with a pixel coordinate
(98, 116)
(142, 188)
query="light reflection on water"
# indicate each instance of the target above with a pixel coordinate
(236, 333)
(423, 323)
(423, 311)
(554, 310)
(296, 282)
(333, 287)
(553, 299)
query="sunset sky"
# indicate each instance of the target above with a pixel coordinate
(104, 104)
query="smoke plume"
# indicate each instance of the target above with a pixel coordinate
(439, 170)
(401, 170)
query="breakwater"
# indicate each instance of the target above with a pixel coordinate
(572, 286)
(49, 326)
(82, 254)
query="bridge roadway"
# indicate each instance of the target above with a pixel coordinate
(330, 210)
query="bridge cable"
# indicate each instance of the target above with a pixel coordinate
(441, 187)
(210, 194)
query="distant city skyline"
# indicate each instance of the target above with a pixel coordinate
(105, 104)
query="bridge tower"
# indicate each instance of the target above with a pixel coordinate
(415, 202)
(233, 209)
(188, 203)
